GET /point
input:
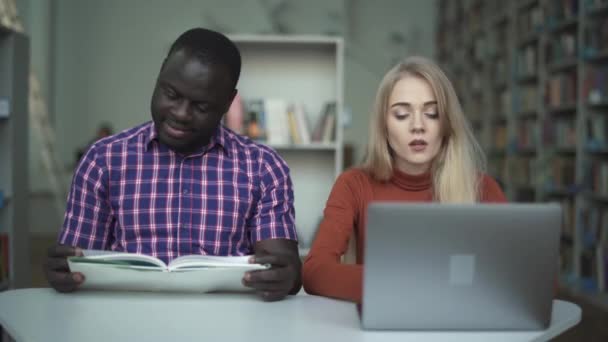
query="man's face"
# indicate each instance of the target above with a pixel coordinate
(189, 101)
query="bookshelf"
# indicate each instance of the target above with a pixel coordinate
(544, 110)
(307, 71)
(14, 72)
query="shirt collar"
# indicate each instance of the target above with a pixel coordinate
(219, 139)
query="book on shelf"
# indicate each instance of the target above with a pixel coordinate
(562, 49)
(599, 177)
(559, 11)
(106, 270)
(521, 171)
(597, 132)
(279, 122)
(527, 99)
(568, 217)
(530, 21)
(562, 175)
(527, 134)
(527, 61)
(499, 136)
(560, 133)
(561, 89)
(594, 227)
(325, 128)
(596, 37)
(595, 86)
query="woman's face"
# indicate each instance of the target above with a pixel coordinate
(414, 125)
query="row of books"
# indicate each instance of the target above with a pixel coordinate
(499, 136)
(562, 48)
(521, 171)
(568, 216)
(527, 61)
(505, 103)
(599, 177)
(561, 174)
(596, 37)
(527, 99)
(560, 133)
(594, 238)
(597, 132)
(499, 73)
(591, 4)
(527, 134)
(559, 11)
(567, 235)
(561, 89)
(280, 122)
(530, 22)
(595, 86)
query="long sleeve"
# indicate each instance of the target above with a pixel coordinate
(491, 192)
(323, 273)
(88, 220)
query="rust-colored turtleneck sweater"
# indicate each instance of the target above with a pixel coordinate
(345, 214)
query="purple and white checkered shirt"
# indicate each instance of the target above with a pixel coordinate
(133, 194)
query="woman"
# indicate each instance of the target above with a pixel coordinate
(421, 148)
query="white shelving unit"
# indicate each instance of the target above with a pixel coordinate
(306, 70)
(14, 78)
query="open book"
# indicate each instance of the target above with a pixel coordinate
(137, 272)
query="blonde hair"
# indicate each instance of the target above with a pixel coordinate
(457, 169)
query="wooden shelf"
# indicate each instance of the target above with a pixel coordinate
(523, 5)
(500, 86)
(597, 198)
(524, 187)
(497, 152)
(525, 151)
(598, 105)
(566, 150)
(598, 57)
(598, 151)
(500, 19)
(566, 25)
(565, 65)
(528, 40)
(527, 79)
(562, 110)
(559, 192)
(598, 10)
(527, 115)
(501, 119)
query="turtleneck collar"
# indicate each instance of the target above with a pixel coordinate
(410, 182)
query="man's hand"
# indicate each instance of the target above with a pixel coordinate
(283, 277)
(57, 271)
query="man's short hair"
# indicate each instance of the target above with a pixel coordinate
(210, 47)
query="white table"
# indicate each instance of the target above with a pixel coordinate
(44, 315)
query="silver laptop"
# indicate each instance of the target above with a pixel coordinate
(460, 267)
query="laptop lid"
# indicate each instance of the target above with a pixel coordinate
(432, 266)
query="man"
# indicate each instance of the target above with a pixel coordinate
(184, 184)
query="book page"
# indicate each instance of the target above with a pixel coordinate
(208, 261)
(129, 278)
(119, 258)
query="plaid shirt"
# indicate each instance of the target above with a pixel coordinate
(133, 194)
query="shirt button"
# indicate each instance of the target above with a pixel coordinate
(185, 192)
